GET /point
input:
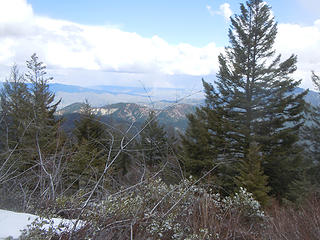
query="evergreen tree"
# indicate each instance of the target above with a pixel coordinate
(34, 139)
(27, 108)
(153, 141)
(42, 99)
(44, 137)
(97, 144)
(91, 149)
(252, 101)
(251, 176)
(204, 143)
(311, 135)
(44, 140)
(315, 129)
(14, 123)
(89, 128)
(15, 116)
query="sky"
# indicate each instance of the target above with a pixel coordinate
(167, 43)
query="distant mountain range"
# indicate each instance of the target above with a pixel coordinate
(173, 116)
(133, 104)
(170, 114)
(102, 95)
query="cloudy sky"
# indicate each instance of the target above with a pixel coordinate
(167, 43)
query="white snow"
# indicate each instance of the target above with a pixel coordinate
(11, 223)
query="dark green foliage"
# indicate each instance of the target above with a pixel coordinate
(28, 113)
(90, 129)
(205, 145)
(45, 127)
(251, 175)
(42, 99)
(33, 140)
(252, 101)
(42, 138)
(91, 149)
(15, 121)
(153, 141)
(311, 135)
(15, 102)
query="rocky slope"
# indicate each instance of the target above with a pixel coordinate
(172, 116)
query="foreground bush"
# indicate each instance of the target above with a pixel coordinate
(295, 222)
(154, 210)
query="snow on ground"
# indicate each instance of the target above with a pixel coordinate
(11, 223)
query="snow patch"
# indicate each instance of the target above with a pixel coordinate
(104, 111)
(12, 223)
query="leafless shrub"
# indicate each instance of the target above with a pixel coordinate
(295, 222)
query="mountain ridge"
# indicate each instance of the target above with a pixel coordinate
(173, 116)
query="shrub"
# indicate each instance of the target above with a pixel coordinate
(155, 210)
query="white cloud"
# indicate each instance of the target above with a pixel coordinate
(127, 56)
(65, 44)
(16, 11)
(303, 41)
(224, 10)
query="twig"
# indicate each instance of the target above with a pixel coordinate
(176, 203)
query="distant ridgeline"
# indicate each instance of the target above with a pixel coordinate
(173, 116)
(157, 97)
(133, 104)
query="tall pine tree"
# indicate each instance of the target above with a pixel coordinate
(14, 124)
(15, 117)
(33, 136)
(252, 100)
(43, 137)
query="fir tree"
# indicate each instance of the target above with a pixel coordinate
(153, 141)
(34, 138)
(15, 121)
(252, 101)
(251, 175)
(91, 149)
(89, 128)
(311, 135)
(315, 129)
(15, 116)
(44, 137)
(43, 101)
(28, 108)
(204, 144)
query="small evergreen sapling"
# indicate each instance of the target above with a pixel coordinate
(251, 176)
